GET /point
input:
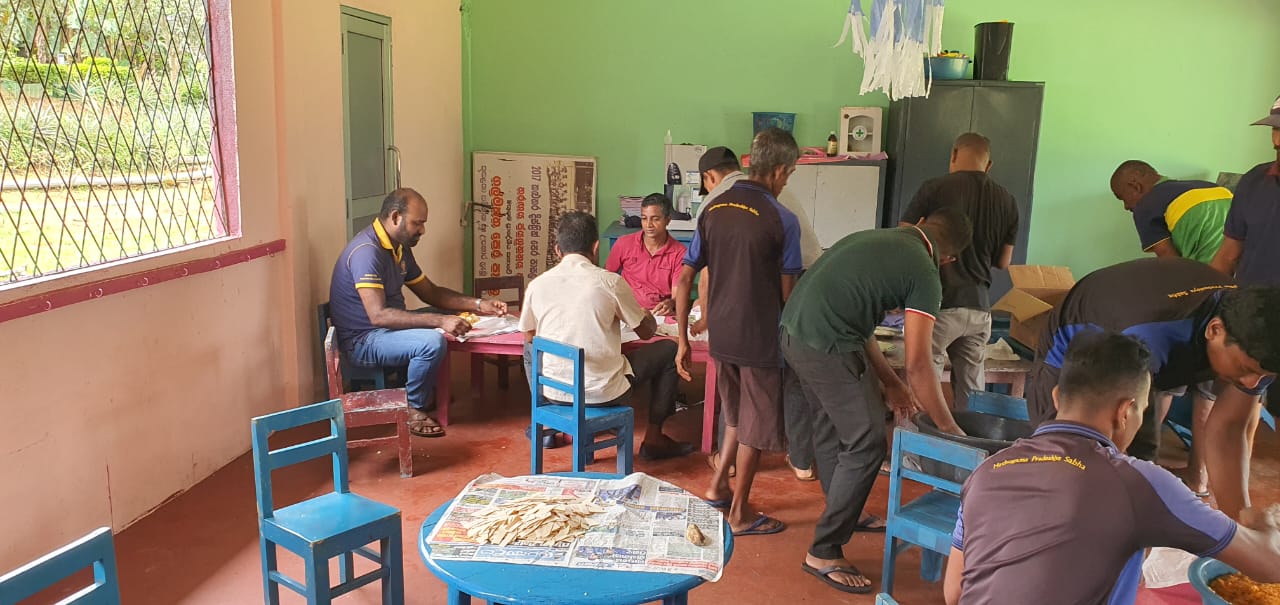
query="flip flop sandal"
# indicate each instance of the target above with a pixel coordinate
(439, 432)
(681, 449)
(865, 525)
(824, 574)
(757, 529)
(721, 504)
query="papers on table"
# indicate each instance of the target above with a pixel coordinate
(490, 326)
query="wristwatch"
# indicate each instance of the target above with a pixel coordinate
(477, 304)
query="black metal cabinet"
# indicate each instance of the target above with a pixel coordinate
(922, 130)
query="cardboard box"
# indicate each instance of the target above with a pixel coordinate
(1037, 289)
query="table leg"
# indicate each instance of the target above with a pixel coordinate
(709, 408)
(443, 391)
(677, 599)
(477, 377)
(457, 597)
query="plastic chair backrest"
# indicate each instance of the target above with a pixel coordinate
(908, 443)
(543, 346)
(265, 460)
(996, 404)
(95, 549)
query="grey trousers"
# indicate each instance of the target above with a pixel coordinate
(848, 436)
(961, 334)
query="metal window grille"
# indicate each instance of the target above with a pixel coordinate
(108, 134)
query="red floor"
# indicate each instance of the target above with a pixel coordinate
(202, 547)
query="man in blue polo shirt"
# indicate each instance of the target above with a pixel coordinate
(1252, 243)
(1064, 516)
(1199, 326)
(366, 303)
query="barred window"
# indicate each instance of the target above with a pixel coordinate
(109, 138)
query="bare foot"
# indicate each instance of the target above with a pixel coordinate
(854, 580)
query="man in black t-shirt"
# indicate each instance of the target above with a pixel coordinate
(741, 237)
(1199, 326)
(964, 324)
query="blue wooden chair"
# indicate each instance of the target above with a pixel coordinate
(929, 520)
(884, 599)
(580, 421)
(996, 404)
(337, 524)
(94, 550)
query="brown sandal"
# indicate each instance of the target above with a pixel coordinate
(422, 424)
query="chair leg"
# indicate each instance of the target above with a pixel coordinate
(457, 597)
(404, 442)
(270, 590)
(626, 447)
(346, 566)
(676, 599)
(890, 555)
(392, 559)
(535, 441)
(581, 449)
(930, 565)
(504, 375)
(319, 590)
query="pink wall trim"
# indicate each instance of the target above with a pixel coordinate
(226, 157)
(75, 294)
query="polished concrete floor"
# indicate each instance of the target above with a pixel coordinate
(202, 547)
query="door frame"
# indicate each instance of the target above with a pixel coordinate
(388, 123)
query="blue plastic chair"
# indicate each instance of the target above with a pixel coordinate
(579, 420)
(996, 404)
(337, 524)
(929, 520)
(95, 550)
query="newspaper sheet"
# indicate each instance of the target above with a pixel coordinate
(642, 529)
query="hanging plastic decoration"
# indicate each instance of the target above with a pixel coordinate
(902, 34)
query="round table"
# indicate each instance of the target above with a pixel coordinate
(514, 584)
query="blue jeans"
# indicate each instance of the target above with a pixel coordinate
(422, 349)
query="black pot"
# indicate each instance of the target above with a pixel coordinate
(983, 431)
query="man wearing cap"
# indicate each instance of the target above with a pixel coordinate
(1252, 243)
(720, 171)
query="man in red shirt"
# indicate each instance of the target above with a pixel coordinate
(650, 260)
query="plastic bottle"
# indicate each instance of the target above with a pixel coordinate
(833, 144)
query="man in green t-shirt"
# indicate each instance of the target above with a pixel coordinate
(1178, 218)
(828, 329)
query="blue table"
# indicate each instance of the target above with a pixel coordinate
(514, 584)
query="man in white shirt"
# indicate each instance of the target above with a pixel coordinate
(582, 305)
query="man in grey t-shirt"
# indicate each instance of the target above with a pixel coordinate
(1064, 516)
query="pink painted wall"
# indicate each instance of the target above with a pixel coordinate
(112, 406)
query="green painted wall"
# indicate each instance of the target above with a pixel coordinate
(1174, 82)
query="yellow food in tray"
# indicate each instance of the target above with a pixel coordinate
(470, 317)
(1239, 589)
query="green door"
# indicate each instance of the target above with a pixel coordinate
(372, 161)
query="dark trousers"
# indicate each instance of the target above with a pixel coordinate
(848, 436)
(799, 421)
(653, 364)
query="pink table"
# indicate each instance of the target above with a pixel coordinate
(513, 345)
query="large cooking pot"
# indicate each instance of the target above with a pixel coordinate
(983, 431)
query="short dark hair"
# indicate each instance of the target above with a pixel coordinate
(658, 199)
(1251, 316)
(771, 149)
(1129, 169)
(1101, 366)
(952, 228)
(398, 201)
(577, 233)
(974, 141)
(726, 167)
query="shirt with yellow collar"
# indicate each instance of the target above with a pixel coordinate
(370, 260)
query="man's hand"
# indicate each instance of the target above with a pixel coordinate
(684, 359)
(665, 307)
(492, 307)
(452, 324)
(698, 327)
(901, 399)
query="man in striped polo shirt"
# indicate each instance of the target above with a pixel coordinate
(1174, 218)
